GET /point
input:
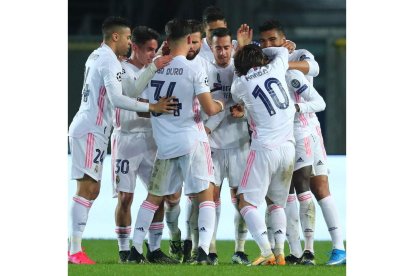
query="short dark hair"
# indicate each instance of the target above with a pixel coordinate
(220, 32)
(248, 57)
(142, 34)
(270, 25)
(196, 26)
(177, 28)
(211, 14)
(111, 24)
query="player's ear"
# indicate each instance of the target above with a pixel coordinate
(115, 36)
(188, 39)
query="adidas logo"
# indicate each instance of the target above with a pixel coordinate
(279, 232)
(299, 160)
(264, 233)
(202, 229)
(140, 229)
(319, 163)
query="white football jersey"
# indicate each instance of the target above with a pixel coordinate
(267, 99)
(308, 99)
(226, 132)
(176, 134)
(128, 121)
(95, 112)
(206, 53)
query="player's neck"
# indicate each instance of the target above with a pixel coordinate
(179, 51)
(134, 61)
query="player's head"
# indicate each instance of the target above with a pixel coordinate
(272, 34)
(117, 34)
(178, 33)
(213, 18)
(144, 44)
(196, 33)
(248, 57)
(221, 46)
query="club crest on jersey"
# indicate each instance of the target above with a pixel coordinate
(118, 76)
(295, 83)
(206, 81)
(96, 169)
(117, 179)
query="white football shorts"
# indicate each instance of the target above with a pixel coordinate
(320, 164)
(304, 152)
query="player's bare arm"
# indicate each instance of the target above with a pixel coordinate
(209, 105)
(164, 105)
(244, 35)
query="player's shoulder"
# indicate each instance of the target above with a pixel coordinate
(301, 54)
(296, 79)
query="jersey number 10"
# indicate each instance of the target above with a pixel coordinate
(258, 92)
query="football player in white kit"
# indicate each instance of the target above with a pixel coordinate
(229, 138)
(261, 86)
(91, 126)
(272, 34)
(133, 147)
(183, 149)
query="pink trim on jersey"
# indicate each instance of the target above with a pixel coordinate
(305, 197)
(301, 116)
(308, 148)
(273, 207)
(319, 131)
(113, 156)
(253, 127)
(123, 230)
(291, 198)
(207, 204)
(249, 164)
(156, 226)
(82, 201)
(197, 116)
(117, 117)
(89, 150)
(101, 103)
(148, 205)
(207, 151)
(247, 209)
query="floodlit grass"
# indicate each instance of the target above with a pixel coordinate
(105, 253)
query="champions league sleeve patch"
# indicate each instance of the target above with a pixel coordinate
(303, 57)
(118, 76)
(303, 88)
(295, 83)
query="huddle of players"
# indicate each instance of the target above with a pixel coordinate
(280, 105)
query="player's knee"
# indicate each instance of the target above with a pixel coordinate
(125, 200)
(320, 187)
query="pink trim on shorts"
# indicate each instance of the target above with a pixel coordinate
(304, 197)
(207, 151)
(319, 131)
(291, 198)
(148, 205)
(247, 209)
(113, 155)
(156, 226)
(273, 207)
(249, 164)
(101, 103)
(206, 204)
(89, 150)
(308, 148)
(118, 117)
(197, 116)
(82, 201)
(253, 127)
(123, 230)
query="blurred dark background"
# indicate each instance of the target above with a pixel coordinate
(318, 26)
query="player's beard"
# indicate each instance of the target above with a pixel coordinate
(192, 54)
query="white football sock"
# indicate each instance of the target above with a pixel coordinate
(278, 226)
(144, 218)
(172, 212)
(188, 212)
(206, 222)
(79, 215)
(270, 235)
(123, 237)
(213, 248)
(330, 215)
(194, 224)
(155, 235)
(292, 227)
(240, 229)
(307, 218)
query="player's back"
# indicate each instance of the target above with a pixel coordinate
(175, 134)
(270, 106)
(95, 111)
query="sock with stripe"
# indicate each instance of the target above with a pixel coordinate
(155, 235)
(122, 233)
(330, 214)
(144, 218)
(172, 212)
(206, 222)
(257, 228)
(79, 216)
(240, 228)
(292, 227)
(278, 227)
(213, 248)
(307, 218)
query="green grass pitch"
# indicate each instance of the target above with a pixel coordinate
(105, 253)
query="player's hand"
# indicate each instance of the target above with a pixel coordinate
(290, 45)
(237, 111)
(244, 35)
(162, 61)
(208, 131)
(163, 50)
(164, 105)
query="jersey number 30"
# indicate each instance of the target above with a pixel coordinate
(258, 92)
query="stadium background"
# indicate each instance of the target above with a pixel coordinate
(319, 26)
